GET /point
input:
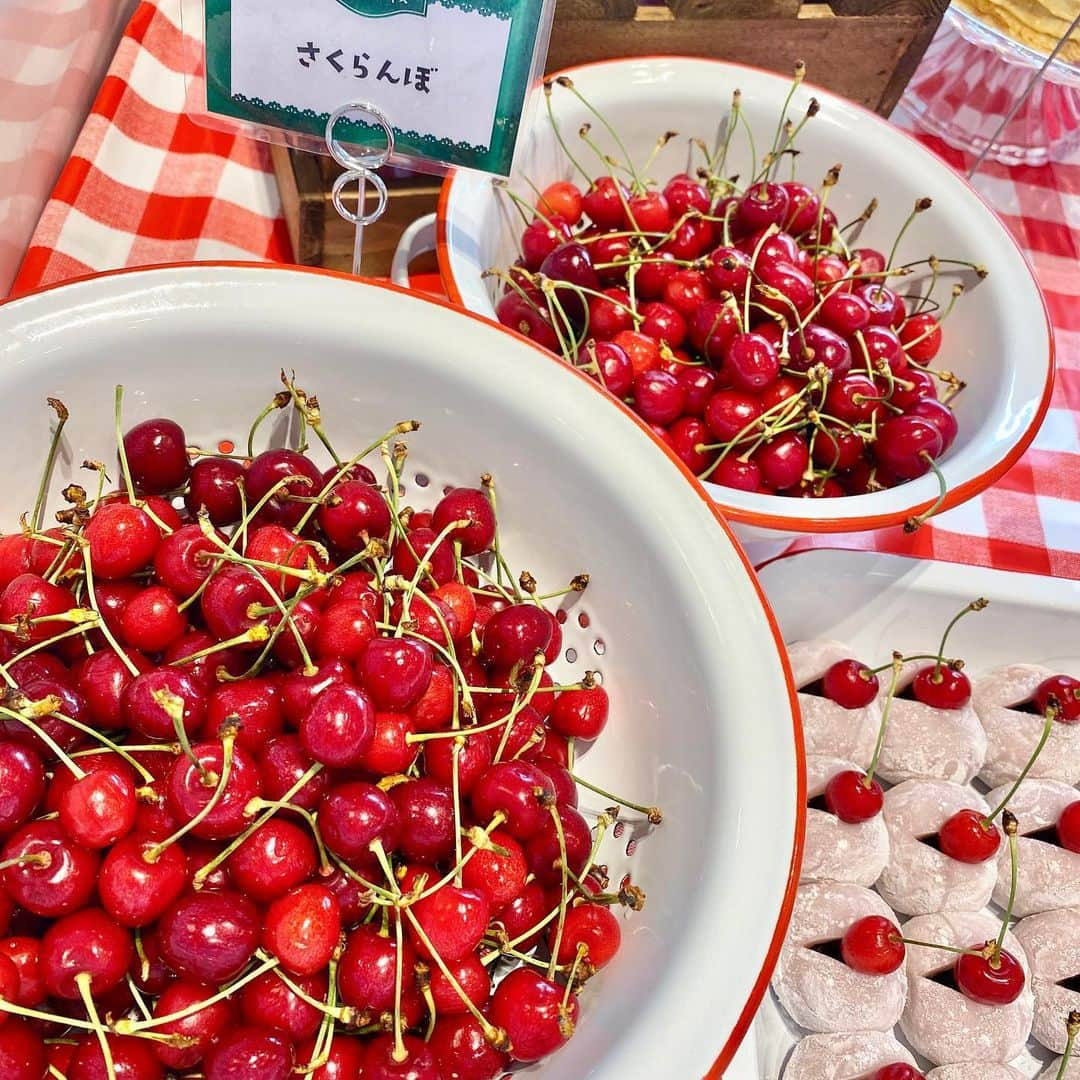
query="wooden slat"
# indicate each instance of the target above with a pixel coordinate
(595, 9)
(922, 9)
(734, 9)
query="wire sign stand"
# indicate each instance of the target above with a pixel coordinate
(360, 168)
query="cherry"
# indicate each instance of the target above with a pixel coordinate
(22, 1051)
(23, 954)
(132, 1059)
(366, 972)
(609, 313)
(192, 783)
(850, 683)
(570, 267)
(204, 669)
(272, 860)
(604, 202)
(102, 680)
(854, 398)
(99, 808)
(269, 468)
(454, 920)
(731, 413)
(920, 384)
(542, 236)
(734, 473)
(462, 1050)
(530, 317)
(473, 759)
(684, 194)
(659, 397)
(897, 1071)
(797, 289)
(344, 1058)
(994, 980)
(270, 996)
(122, 540)
(940, 415)
(339, 726)
(783, 460)
(882, 346)
(228, 601)
(872, 946)
(751, 362)
(880, 301)
(253, 1051)
(434, 708)
(203, 1025)
(520, 791)
(542, 850)
(514, 635)
(344, 628)
(214, 486)
(473, 506)
(381, 1064)
(1063, 692)
(817, 344)
(426, 810)
(529, 1009)
(762, 205)
(471, 976)
(31, 596)
(22, 785)
(1068, 827)
(390, 751)
(921, 337)
(254, 704)
(59, 879)
(942, 687)
(712, 327)
(282, 763)
(968, 837)
(851, 799)
(15, 557)
(591, 925)
(156, 452)
(210, 935)
(301, 928)
(904, 443)
(300, 688)
(86, 942)
(280, 546)
(354, 513)
(353, 815)
(395, 671)
(135, 890)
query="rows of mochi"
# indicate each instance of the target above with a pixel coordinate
(930, 762)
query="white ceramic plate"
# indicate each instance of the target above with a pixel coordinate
(877, 603)
(998, 338)
(701, 698)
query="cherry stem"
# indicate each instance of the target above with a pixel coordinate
(563, 892)
(83, 981)
(279, 401)
(455, 791)
(558, 134)
(582, 953)
(653, 813)
(399, 1053)
(1010, 824)
(975, 605)
(1072, 1028)
(47, 644)
(944, 948)
(108, 746)
(916, 522)
(228, 739)
(907, 660)
(308, 406)
(34, 858)
(920, 205)
(567, 84)
(494, 955)
(125, 471)
(520, 701)
(897, 668)
(45, 737)
(103, 626)
(54, 445)
(1051, 716)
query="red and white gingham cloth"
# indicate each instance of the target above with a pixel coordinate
(146, 185)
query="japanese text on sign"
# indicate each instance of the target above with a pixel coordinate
(418, 77)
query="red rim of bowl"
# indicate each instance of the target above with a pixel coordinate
(761, 983)
(810, 524)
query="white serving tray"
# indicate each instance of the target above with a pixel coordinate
(877, 603)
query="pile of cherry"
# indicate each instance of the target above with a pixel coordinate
(769, 354)
(285, 784)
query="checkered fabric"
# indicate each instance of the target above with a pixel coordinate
(146, 185)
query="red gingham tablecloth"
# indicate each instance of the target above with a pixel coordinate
(146, 185)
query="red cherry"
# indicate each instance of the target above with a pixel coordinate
(426, 810)
(499, 877)
(86, 942)
(762, 205)
(473, 759)
(282, 763)
(301, 928)
(520, 791)
(354, 513)
(604, 202)
(272, 860)
(541, 237)
(851, 799)
(570, 267)
(592, 925)
(514, 635)
(921, 337)
(273, 466)
(300, 688)
(897, 1071)
(339, 727)
(803, 205)
(904, 443)
(734, 473)
(23, 953)
(22, 785)
(942, 688)
(156, 452)
(463, 1052)
(59, 879)
(282, 547)
(214, 486)
(434, 708)
(344, 1060)
(473, 506)
(344, 629)
(454, 920)
(366, 972)
(872, 946)
(190, 787)
(203, 1025)
(658, 396)
(529, 1009)
(783, 461)
(260, 1052)
(122, 540)
(1068, 827)
(684, 194)
(255, 703)
(542, 850)
(990, 981)
(380, 1063)
(968, 837)
(34, 598)
(134, 890)
(271, 996)
(394, 671)
(354, 815)
(229, 600)
(649, 212)
(850, 683)
(22, 1051)
(563, 198)
(210, 935)
(390, 751)
(731, 413)
(880, 300)
(750, 363)
(713, 325)
(940, 415)
(529, 316)
(15, 557)
(796, 288)
(132, 1059)
(99, 808)
(523, 913)
(1062, 691)
(150, 620)
(471, 976)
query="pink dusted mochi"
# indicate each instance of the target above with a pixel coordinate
(975, 1070)
(835, 850)
(828, 728)
(820, 992)
(845, 1056)
(924, 743)
(1052, 943)
(1048, 875)
(940, 1022)
(1012, 734)
(919, 879)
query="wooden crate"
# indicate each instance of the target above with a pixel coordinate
(865, 50)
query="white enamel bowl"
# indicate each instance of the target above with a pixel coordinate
(998, 338)
(703, 716)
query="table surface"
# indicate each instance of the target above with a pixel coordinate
(145, 184)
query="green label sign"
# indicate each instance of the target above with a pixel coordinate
(379, 9)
